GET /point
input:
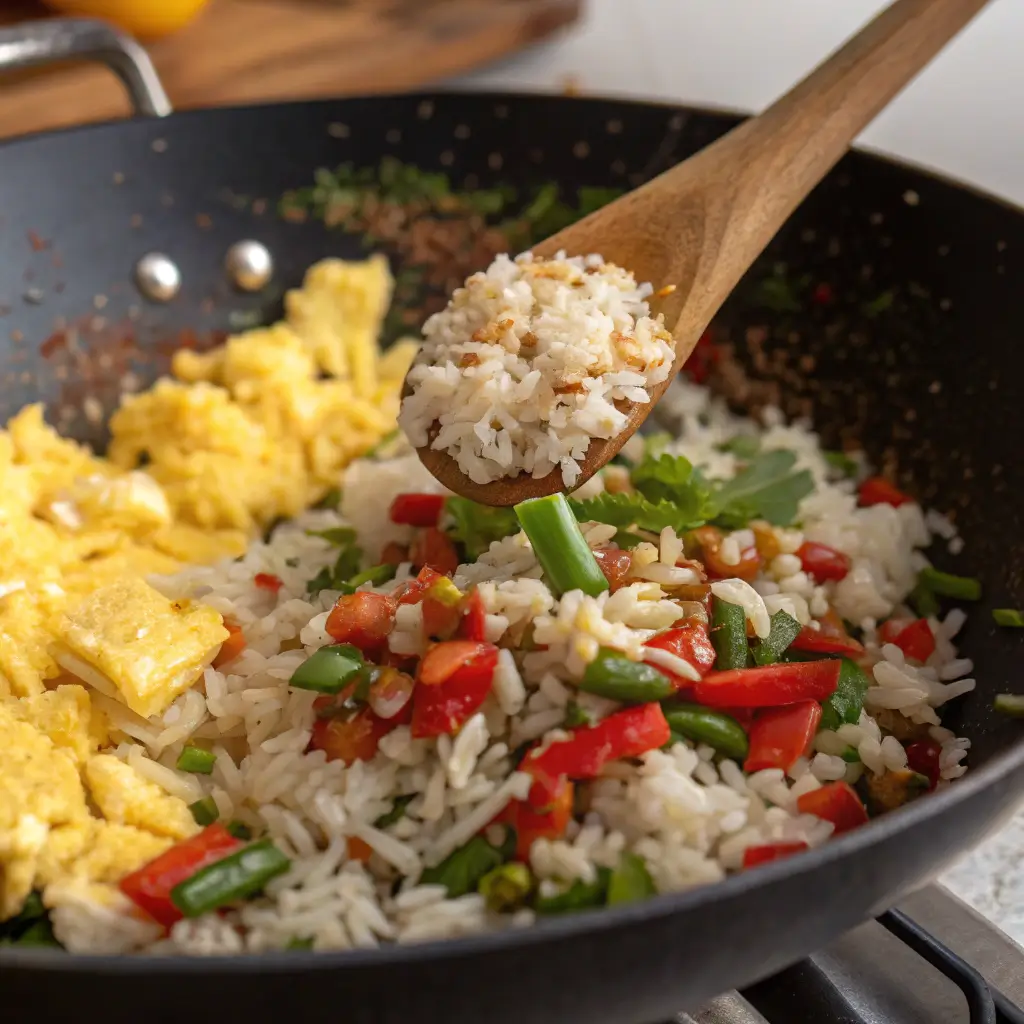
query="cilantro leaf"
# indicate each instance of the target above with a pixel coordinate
(339, 536)
(346, 565)
(625, 510)
(743, 446)
(766, 487)
(397, 811)
(476, 527)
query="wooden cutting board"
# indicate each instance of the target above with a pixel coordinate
(245, 51)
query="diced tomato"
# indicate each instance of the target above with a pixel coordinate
(890, 629)
(692, 644)
(710, 540)
(266, 581)
(822, 294)
(474, 617)
(417, 509)
(916, 640)
(394, 553)
(822, 562)
(830, 638)
(627, 733)
(876, 490)
(781, 735)
(835, 802)
(351, 738)
(150, 887)
(413, 591)
(440, 620)
(454, 680)
(923, 758)
(770, 685)
(435, 549)
(703, 358)
(232, 647)
(545, 814)
(615, 564)
(364, 619)
(754, 855)
(359, 850)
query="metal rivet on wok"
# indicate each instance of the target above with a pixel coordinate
(249, 265)
(158, 277)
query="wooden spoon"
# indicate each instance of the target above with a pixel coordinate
(700, 225)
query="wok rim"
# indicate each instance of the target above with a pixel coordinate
(568, 926)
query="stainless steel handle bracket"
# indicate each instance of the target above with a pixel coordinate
(36, 43)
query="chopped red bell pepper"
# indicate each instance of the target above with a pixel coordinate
(770, 685)
(417, 509)
(545, 814)
(923, 758)
(440, 620)
(434, 549)
(150, 887)
(822, 562)
(267, 581)
(359, 849)
(615, 564)
(627, 733)
(351, 738)
(754, 855)
(876, 490)
(474, 617)
(830, 638)
(781, 735)
(710, 540)
(454, 680)
(232, 647)
(363, 619)
(916, 640)
(835, 802)
(692, 644)
(703, 358)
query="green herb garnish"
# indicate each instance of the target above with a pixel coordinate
(945, 584)
(397, 812)
(461, 871)
(476, 527)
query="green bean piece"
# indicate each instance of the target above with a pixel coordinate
(1011, 704)
(845, 703)
(507, 887)
(240, 874)
(204, 811)
(559, 545)
(579, 896)
(196, 760)
(611, 674)
(729, 635)
(1012, 617)
(784, 631)
(630, 881)
(945, 584)
(703, 725)
(329, 669)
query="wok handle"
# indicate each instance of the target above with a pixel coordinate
(35, 43)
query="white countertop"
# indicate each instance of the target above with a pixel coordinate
(962, 116)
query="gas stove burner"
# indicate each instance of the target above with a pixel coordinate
(931, 961)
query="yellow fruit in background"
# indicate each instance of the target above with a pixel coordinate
(147, 19)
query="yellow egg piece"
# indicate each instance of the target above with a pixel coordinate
(147, 19)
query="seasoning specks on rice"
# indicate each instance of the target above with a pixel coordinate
(525, 365)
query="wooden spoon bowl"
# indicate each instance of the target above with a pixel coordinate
(701, 224)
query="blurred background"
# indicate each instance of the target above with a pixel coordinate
(961, 116)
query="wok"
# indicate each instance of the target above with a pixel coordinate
(915, 340)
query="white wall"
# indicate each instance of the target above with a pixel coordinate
(963, 115)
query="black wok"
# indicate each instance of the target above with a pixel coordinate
(916, 347)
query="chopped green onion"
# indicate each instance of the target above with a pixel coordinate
(196, 760)
(240, 830)
(963, 588)
(204, 811)
(1008, 617)
(846, 701)
(784, 630)
(611, 674)
(339, 536)
(729, 635)
(299, 944)
(630, 881)
(559, 545)
(579, 896)
(506, 887)
(375, 577)
(240, 874)
(924, 601)
(702, 725)
(328, 669)
(1011, 704)
(397, 811)
(461, 871)
(575, 716)
(851, 755)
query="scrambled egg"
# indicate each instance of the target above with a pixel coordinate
(257, 429)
